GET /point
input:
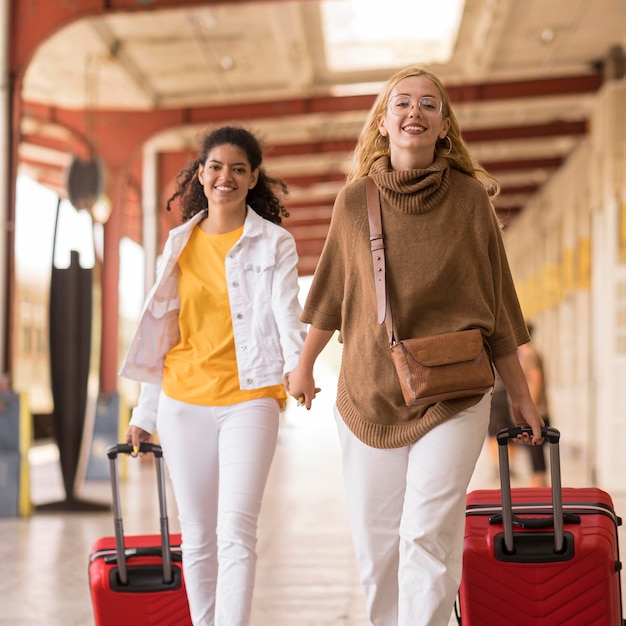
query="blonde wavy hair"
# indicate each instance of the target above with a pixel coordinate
(371, 145)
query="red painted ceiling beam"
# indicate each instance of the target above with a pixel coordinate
(290, 223)
(310, 147)
(313, 179)
(532, 88)
(302, 205)
(523, 164)
(310, 246)
(551, 129)
(43, 166)
(42, 141)
(520, 190)
(305, 232)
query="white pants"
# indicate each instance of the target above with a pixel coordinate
(218, 460)
(407, 514)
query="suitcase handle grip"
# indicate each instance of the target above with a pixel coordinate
(503, 436)
(127, 448)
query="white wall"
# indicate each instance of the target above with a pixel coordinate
(568, 256)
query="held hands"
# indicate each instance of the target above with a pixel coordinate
(301, 386)
(136, 436)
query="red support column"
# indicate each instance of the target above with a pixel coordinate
(110, 283)
(7, 265)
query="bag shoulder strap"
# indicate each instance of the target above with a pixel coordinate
(377, 245)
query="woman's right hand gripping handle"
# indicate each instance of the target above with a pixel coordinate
(136, 436)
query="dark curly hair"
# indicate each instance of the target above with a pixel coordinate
(265, 197)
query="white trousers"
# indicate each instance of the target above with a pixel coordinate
(407, 514)
(218, 460)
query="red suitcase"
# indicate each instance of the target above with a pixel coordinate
(552, 569)
(138, 580)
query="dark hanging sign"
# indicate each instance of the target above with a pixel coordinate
(85, 182)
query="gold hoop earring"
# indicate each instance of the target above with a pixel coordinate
(449, 147)
(380, 144)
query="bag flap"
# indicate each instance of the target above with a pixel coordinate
(446, 348)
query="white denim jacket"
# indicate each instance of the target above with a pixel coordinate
(262, 281)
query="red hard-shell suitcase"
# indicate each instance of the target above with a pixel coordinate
(138, 580)
(540, 556)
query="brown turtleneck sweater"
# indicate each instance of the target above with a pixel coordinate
(446, 271)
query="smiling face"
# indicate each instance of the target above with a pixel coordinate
(413, 131)
(226, 176)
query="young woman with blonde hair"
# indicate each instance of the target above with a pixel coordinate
(407, 468)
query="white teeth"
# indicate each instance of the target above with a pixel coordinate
(414, 127)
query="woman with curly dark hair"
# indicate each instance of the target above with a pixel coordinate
(218, 335)
(263, 197)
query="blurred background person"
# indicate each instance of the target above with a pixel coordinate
(500, 417)
(532, 364)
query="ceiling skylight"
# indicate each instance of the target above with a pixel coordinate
(375, 34)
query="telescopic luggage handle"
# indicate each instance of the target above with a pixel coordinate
(553, 436)
(112, 453)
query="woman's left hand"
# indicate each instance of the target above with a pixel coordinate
(522, 406)
(526, 414)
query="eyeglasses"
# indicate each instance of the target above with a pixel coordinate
(428, 105)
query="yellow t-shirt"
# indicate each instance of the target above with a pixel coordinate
(202, 367)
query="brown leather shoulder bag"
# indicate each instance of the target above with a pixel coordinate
(435, 368)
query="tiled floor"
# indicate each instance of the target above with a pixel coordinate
(306, 574)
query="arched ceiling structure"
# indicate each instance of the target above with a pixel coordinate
(122, 74)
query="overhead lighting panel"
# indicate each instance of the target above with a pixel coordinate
(368, 34)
